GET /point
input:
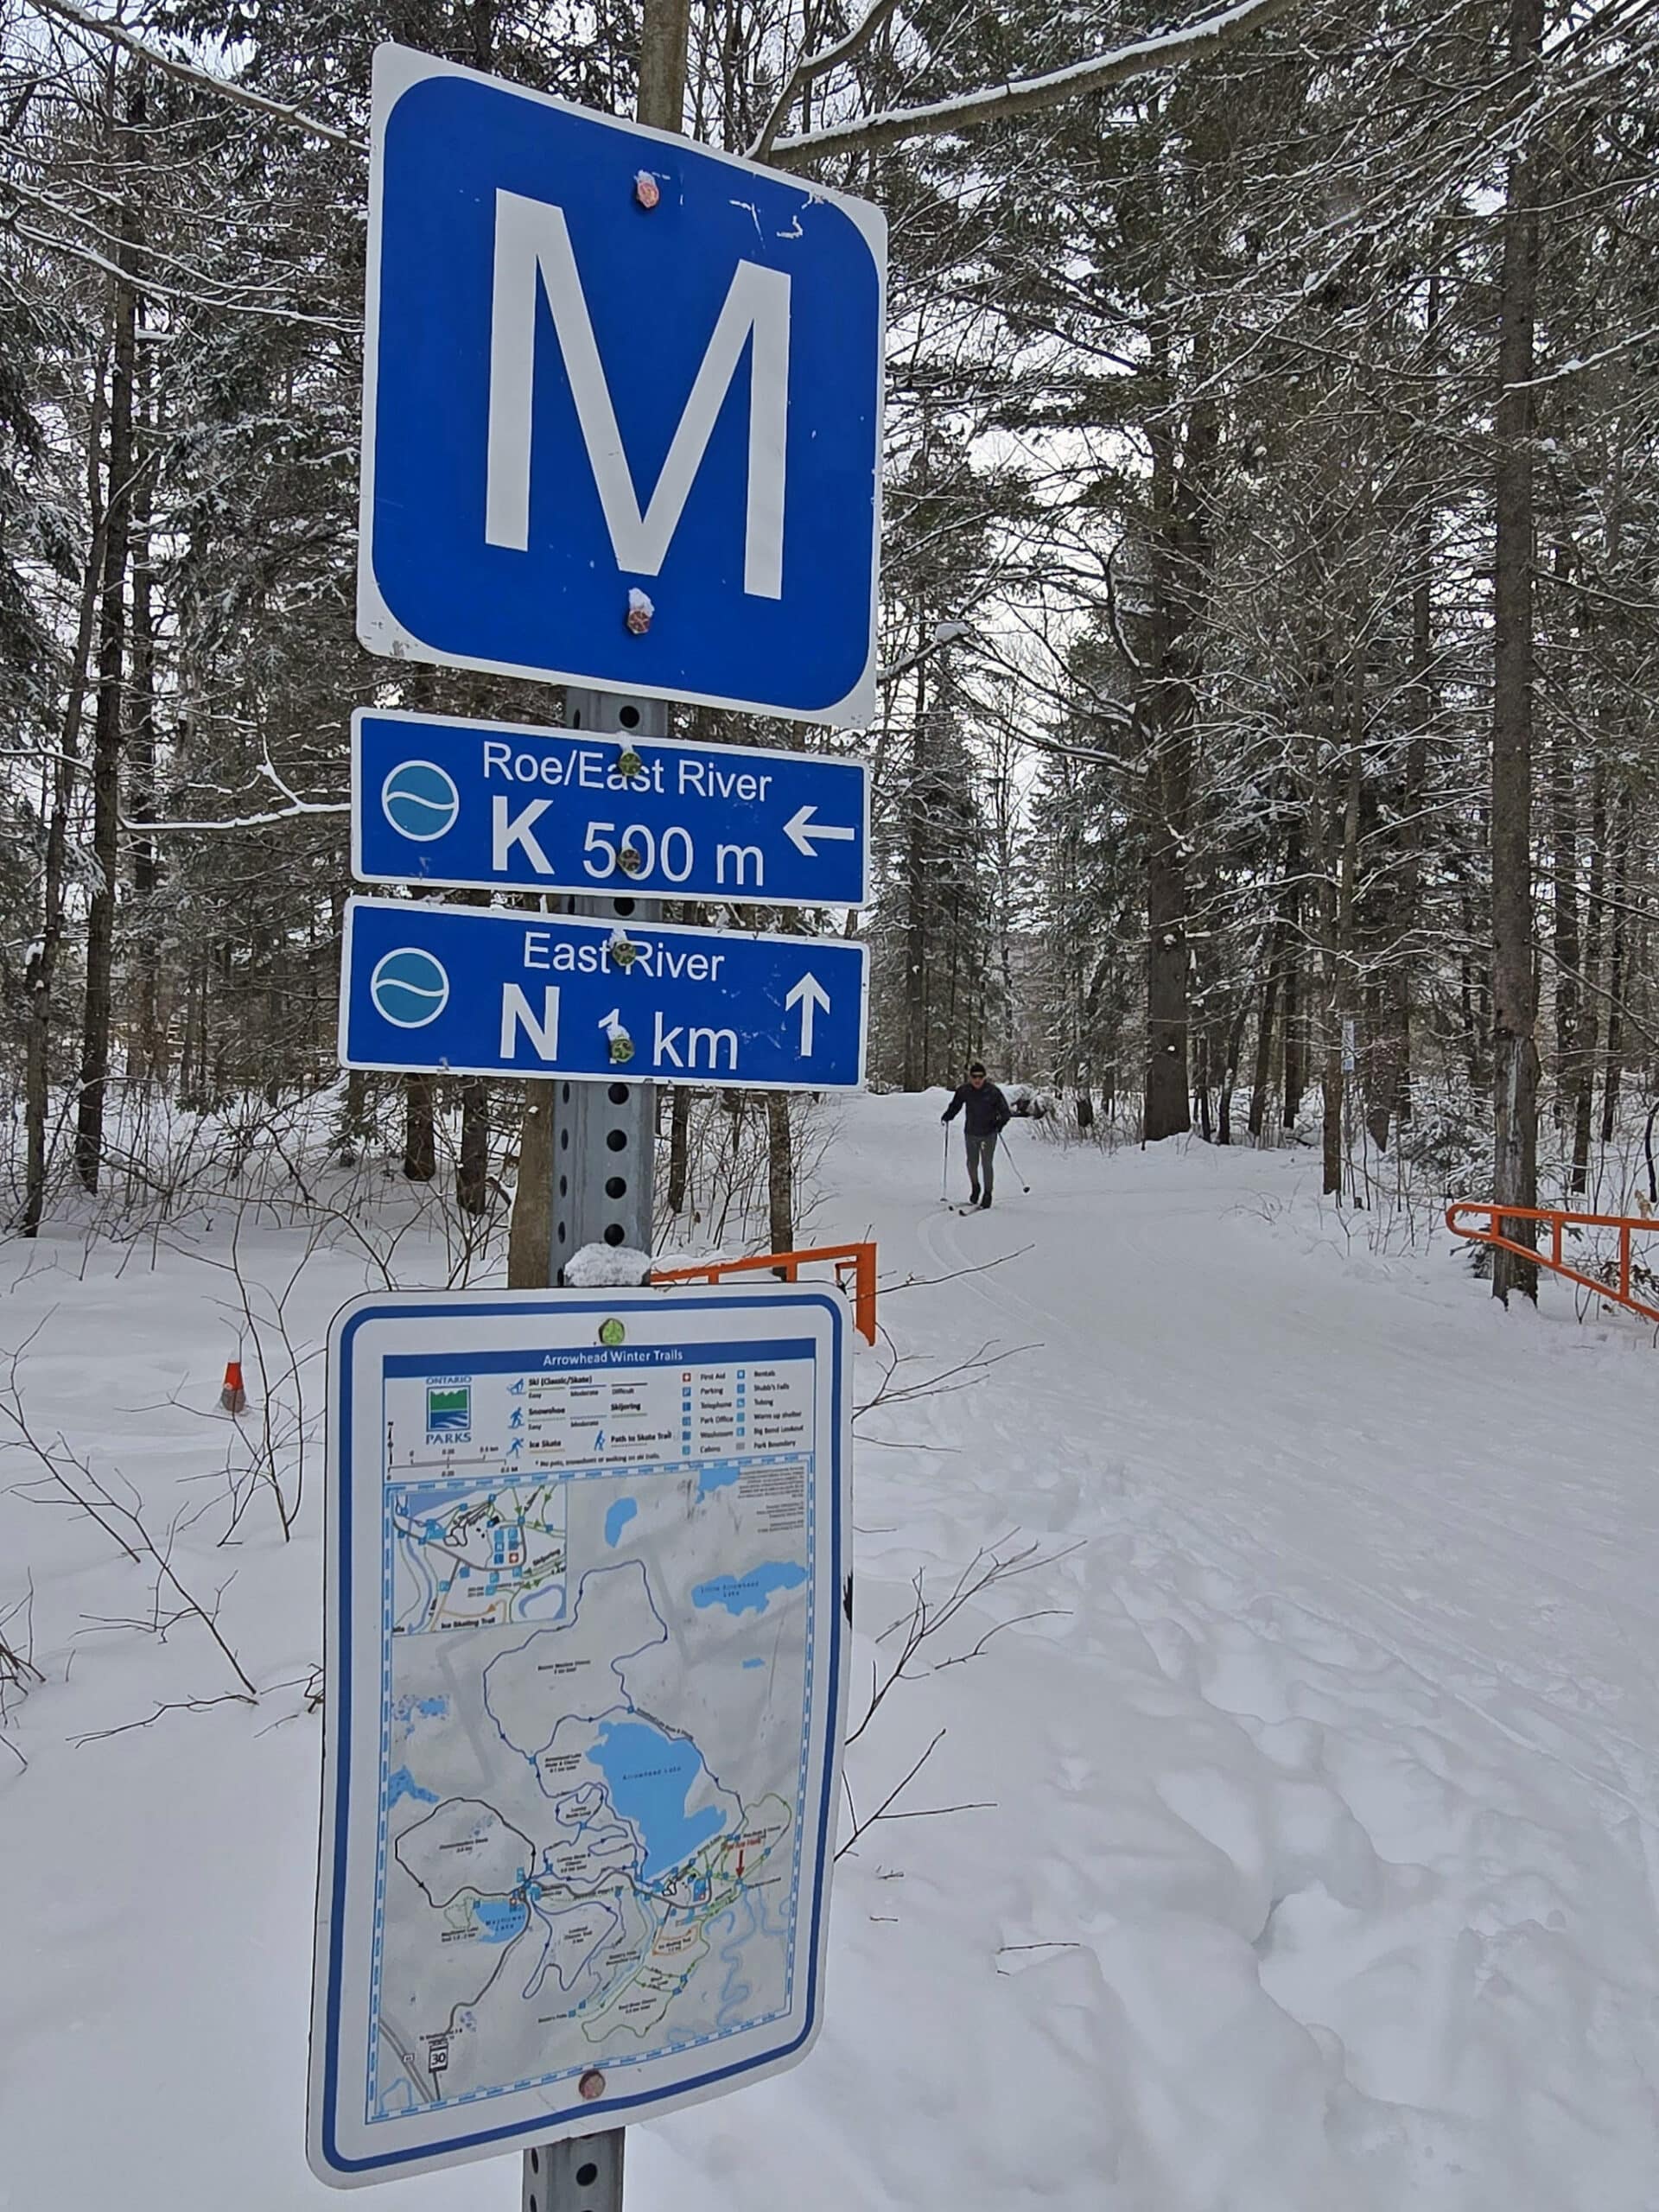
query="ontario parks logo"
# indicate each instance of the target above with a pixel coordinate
(449, 1411)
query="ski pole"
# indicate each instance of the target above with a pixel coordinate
(944, 1165)
(1007, 1155)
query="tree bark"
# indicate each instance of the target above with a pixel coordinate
(1424, 693)
(664, 37)
(917, 991)
(1617, 968)
(1569, 954)
(1261, 1075)
(529, 1232)
(43, 966)
(1164, 708)
(473, 1164)
(780, 1173)
(420, 1129)
(1293, 1022)
(679, 1131)
(1583, 1086)
(152, 1056)
(107, 715)
(1515, 1057)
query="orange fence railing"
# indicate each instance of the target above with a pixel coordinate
(854, 1260)
(1488, 1219)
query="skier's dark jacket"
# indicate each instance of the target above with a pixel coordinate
(988, 1109)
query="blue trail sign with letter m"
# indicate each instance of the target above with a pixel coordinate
(622, 405)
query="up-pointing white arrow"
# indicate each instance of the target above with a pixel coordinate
(801, 830)
(809, 994)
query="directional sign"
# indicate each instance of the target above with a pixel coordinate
(622, 405)
(585, 1680)
(471, 990)
(495, 804)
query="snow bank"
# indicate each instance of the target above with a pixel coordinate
(1288, 1844)
(607, 1267)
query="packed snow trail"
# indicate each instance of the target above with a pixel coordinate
(1368, 1588)
(1312, 1806)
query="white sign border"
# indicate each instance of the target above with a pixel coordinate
(396, 70)
(352, 1613)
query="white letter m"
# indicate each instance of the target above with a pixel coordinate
(532, 243)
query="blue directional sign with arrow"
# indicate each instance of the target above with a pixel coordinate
(471, 990)
(622, 404)
(495, 805)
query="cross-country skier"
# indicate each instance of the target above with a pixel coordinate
(987, 1115)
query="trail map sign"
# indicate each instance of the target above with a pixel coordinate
(585, 1686)
(622, 405)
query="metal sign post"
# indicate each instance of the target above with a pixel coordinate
(582, 2174)
(605, 1136)
(622, 430)
(603, 1182)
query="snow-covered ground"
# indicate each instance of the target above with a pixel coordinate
(1314, 1789)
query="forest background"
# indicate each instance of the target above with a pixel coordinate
(1269, 614)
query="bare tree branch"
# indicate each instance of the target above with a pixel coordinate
(814, 65)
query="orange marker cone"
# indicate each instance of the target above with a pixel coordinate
(233, 1398)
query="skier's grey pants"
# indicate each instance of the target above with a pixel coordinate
(982, 1162)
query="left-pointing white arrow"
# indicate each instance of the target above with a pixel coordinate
(809, 994)
(801, 830)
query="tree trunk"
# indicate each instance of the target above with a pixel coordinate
(1613, 1063)
(916, 855)
(107, 716)
(43, 966)
(780, 1172)
(1261, 1075)
(1344, 1007)
(679, 1130)
(1425, 706)
(473, 1163)
(1514, 1060)
(529, 1233)
(1295, 1064)
(1569, 954)
(1165, 709)
(1168, 1113)
(1230, 1075)
(420, 1129)
(152, 1055)
(1584, 1087)
(663, 40)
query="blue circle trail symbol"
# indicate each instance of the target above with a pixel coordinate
(420, 801)
(408, 988)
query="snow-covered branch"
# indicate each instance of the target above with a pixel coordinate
(175, 65)
(814, 65)
(249, 821)
(1023, 95)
